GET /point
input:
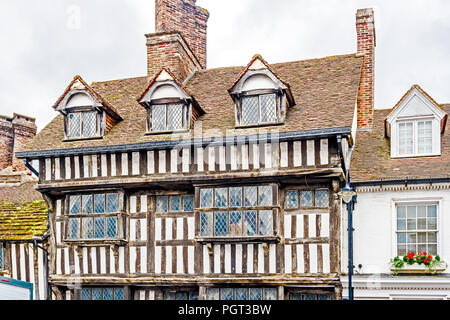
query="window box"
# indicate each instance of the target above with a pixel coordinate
(422, 262)
(418, 269)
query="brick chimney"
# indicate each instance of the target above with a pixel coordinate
(179, 43)
(365, 30)
(15, 133)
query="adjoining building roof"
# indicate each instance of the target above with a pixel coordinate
(23, 213)
(371, 159)
(325, 91)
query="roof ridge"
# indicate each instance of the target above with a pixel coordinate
(117, 80)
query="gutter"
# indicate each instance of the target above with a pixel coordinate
(405, 181)
(200, 142)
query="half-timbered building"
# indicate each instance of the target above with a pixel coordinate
(196, 183)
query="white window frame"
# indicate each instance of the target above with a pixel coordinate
(416, 201)
(435, 138)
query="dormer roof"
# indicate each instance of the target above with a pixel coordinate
(258, 66)
(78, 85)
(419, 103)
(167, 81)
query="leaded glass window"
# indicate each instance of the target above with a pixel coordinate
(102, 293)
(82, 124)
(93, 216)
(243, 211)
(180, 295)
(174, 204)
(306, 199)
(298, 295)
(417, 228)
(241, 294)
(259, 109)
(1, 256)
(168, 117)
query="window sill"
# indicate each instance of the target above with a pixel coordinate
(82, 139)
(257, 239)
(95, 242)
(258, 125)
(152, 133)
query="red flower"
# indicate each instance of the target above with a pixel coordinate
(430, 257)
(420, 253)
(424, 253)
(425, 260)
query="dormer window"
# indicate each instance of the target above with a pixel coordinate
(415, 125)
(82, 124)
(86, 114)
(261, 98)
(169, 106)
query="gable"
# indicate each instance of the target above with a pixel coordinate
(416, 103)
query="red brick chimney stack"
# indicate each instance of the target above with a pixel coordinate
(15, 133)
(365, 30)
(179, 43)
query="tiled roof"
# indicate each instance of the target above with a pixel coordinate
(324, 89)
(371, 160)
(23, 213)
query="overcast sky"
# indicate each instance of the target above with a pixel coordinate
(45, 43)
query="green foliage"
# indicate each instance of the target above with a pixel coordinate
(421, 258)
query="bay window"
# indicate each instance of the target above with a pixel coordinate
(238, 211)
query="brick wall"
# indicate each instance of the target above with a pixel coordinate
(365, 30)
(186, 17)
(15, 133)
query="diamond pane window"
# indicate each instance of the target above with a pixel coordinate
(193, 295)
(87, 228)
(99, 228)
(206, 222)
(221, 197)
(111, 227)
(306, 199)
(265, 195)
(241, 294)
(86, 294)
(206, 197)
(175, 203)
(235, 196)
(270, 294)
(74, 228)
(118, 294)
(1, 256)
(291, 200)
(250, 110)
(89, 124)
(265, 223)
(75, 204)
(96, 294)
(74, 123)
(255, 294)
(236, 223)
(86, 204)
(250, 195)
(162, 204)
(220, 224)
(226, 294)
(112, 202)
(107, 294)
(322, 198)
(188, 203)
(250, 223)
(212, 294)
(158, 117)
(268, 108)
(174, 116)
(99, 203)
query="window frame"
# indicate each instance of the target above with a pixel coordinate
(126, 292)
(82, 111)
(279, 96)
(299, 190)
(121, 218)
(417, 202)
(2, 256)
(247, 288)
(274, 208)
(435, 150)
(186, 124)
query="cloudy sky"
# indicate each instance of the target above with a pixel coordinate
(45, 43)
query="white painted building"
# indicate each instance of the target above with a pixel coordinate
(400, 172)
